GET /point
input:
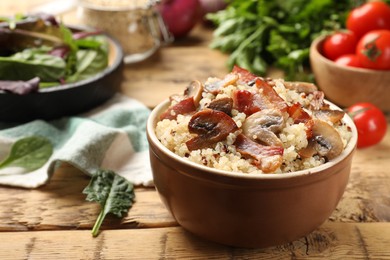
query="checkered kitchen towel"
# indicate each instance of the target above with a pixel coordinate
(109, 137)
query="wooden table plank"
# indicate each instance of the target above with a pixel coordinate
(330, 241)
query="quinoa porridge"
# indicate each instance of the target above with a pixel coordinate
(244, 123)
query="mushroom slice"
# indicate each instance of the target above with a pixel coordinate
(304, 87)
(262, 126)
(194, 89)
(214, 87)
(266, 158)
(222, 104)
(330, 115)
(211, 126)
(325, 141)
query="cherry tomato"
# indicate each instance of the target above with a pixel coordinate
(338, 44)
(370, 16)
(350, 60)
(370, 122)
(373, 50)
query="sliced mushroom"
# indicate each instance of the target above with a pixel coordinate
(266, 158)
(215, 87)
(325, 141)
(222, 104)
(194, 89)
(262, 126)
(330, 115)
(304, 87)
(211, 126)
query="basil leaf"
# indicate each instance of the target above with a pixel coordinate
(29, 153)
(114, 194)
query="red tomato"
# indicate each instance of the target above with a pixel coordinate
(339, 44)
(370, 16)
(350, 60)
(373, 50)
(370, 122)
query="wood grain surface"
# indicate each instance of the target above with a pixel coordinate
(54, 221)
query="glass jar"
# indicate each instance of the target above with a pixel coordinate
(136, 24)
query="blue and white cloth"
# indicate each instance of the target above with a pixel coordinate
(111, 136)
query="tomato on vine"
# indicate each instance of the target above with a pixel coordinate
(373, 50)
(370, 122)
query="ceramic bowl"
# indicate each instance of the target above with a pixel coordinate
(67, 99)
(346, 86)
(247, 210)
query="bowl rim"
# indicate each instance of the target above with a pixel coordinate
(115, 63)
(349, 149)
(315, 50)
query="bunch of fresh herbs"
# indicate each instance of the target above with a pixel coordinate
(260, 34)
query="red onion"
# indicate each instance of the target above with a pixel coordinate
(180, 16)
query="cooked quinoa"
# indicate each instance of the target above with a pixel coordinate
(174, 132)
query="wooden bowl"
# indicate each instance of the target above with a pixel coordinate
(346, 86)
(247, 210)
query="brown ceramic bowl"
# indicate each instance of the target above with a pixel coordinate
(346, 86)
(246, 210)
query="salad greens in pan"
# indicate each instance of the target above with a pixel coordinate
(37, 51)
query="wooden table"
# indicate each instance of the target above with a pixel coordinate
(54, 221)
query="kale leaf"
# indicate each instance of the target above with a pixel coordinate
(114, 194)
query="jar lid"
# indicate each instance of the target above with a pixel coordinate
(117, 5)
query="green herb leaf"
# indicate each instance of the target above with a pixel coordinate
(114, 194)
(260, 34)
(30, 153)
(31, 63)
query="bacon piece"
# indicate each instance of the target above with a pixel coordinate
(301, 116)
(245, 76)
(266, 158)
(184, 106)
(271, 94)
(211, 126)
(249, 103)
(298, 114)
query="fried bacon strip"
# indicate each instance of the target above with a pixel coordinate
(184, 106)
(266, 158)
